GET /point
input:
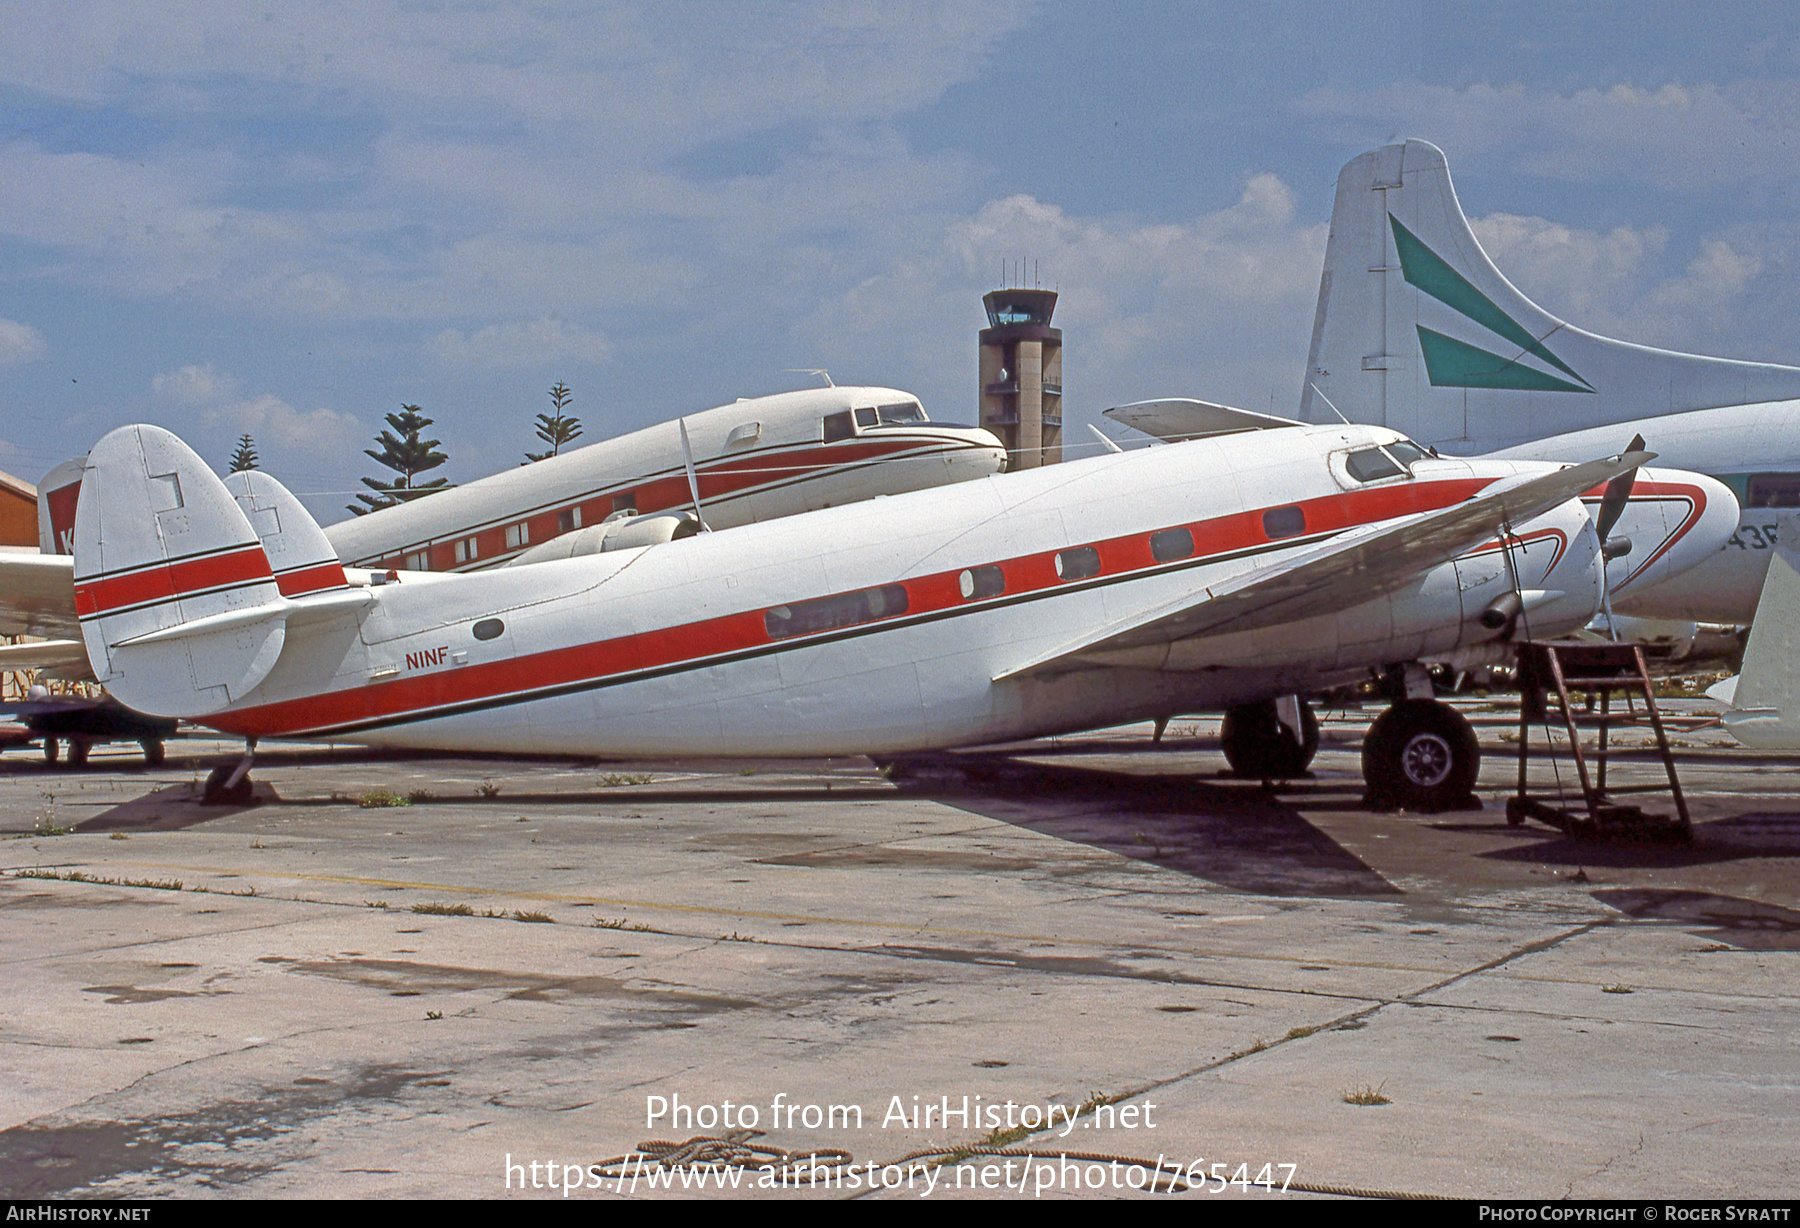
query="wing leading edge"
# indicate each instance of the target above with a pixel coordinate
(1358, 566)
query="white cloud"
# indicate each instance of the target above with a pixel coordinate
(533, 343)
(194, 386)
(1217, 307)
(1614, 283)
(282, 433)
(20, 343)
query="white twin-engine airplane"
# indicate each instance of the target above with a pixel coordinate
(756, 459)
(1236, 573)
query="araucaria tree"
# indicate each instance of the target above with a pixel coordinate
(408, 455)
(556, 429)
(245, 457)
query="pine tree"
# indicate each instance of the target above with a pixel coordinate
(556, 430)
(407, 455)
(245, 457)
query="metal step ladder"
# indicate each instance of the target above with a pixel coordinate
(1566, 668)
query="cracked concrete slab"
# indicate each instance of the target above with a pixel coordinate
(314, 996)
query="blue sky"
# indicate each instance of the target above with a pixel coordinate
(290, 222)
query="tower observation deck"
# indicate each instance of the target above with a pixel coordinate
(1021, 376)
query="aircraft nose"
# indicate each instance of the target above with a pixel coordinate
(1674, 520)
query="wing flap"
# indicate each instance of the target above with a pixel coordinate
(1353, 568)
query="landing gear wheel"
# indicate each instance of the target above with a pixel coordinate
(78, 752)
(1421, 755)
(51, 750)
(153, 751)
(216, 794)
(1259, 747)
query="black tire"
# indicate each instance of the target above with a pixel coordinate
(1259, 747)
(216, 794)
(1421, 755)
(51, 750)
(153, 751)
(78, 752)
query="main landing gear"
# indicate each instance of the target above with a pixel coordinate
(1421, 755)
(1260, 745)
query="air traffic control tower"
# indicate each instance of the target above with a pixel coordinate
(1021, 376)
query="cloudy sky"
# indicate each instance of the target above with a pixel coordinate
(291, 221)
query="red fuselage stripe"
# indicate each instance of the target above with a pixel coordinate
(698, 641)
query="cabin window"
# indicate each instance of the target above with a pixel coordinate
(839, 426)
(866, 416)
(1280, 522)
(904, 414)
(979, 583)
(1772, 490)
(1077, 563)
(1171, 544)
(518, 535)
(419, 562)
(835, 612)
(489, 629)
(568, 520)
(1371, 465)
(467, 550)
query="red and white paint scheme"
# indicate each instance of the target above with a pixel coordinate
(756, 459)
(1239, 573)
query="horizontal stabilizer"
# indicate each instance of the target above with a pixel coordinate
(1354, 568)
(1176, 418)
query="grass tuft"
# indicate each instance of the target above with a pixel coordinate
(1366, 1095)
(379, 797)
(616, 780)
(444, 910)
(487, 788)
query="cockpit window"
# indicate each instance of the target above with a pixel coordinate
(1371, 465)
(839, 426)
(903, 414)
(866, 416)
(1406, 452)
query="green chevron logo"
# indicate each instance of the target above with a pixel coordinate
(1457, 364)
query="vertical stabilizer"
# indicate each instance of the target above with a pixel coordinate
(1417, 330)
(1766, 702)
(179, 609)
(299, 555)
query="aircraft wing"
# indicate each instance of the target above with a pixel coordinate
(1176, 418)
(37, 595)
(1354, 567)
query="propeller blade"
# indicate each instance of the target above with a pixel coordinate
(1618, 493)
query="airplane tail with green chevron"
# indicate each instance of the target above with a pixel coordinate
(1417, 330)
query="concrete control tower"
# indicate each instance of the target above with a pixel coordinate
(1021, 376)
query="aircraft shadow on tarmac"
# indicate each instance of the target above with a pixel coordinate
(1749, 925)
(1737, 838)
(1234, 834)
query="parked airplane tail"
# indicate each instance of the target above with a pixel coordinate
(1765, 696)
(1418, 331)
(181, 611)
